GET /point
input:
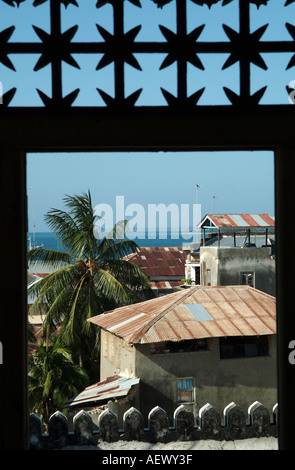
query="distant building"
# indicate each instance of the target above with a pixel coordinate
(242, 222)
(165, 266)
(236, 249)
(198, 345)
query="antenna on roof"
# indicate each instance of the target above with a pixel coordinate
(214, 197)
(197, 187)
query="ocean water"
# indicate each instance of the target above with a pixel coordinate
(49, 240)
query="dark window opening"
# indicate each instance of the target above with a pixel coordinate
(243, 346)
(179, 347)
(197, 275)
(208, 277)
(247, 279)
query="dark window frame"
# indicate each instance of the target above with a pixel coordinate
(247, 273)
(183, 392)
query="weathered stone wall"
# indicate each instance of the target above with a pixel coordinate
(217, 381)
(226, 264)
(234, 425)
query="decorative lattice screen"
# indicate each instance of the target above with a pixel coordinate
(125, 53)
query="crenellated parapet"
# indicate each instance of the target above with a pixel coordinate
(233, 424)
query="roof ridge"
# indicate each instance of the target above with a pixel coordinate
(265, 294)
(160, 315)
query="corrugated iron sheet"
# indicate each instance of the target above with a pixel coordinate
(160, 261)
(162, 285)
(239, 220)
(112, 387)
(235, 311)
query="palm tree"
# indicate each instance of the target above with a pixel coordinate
(96, 277)
(52, 379)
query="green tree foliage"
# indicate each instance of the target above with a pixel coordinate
(52, 379)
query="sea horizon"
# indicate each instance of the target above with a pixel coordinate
(154, 238)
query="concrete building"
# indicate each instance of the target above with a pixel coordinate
(238, 266)
(200, 345)
(233, 252)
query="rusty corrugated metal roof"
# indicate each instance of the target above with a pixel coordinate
(113, 387)
(160, 261)
(235, 311)
(160, 285)
(239, 220)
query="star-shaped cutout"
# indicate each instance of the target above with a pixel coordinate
(4, 38)
(242, 49)
(65, 2)
(121, 102)
(161, 3)
(182, 47)
(291, 30)
(237, 100)
(101, 3)
(61, 102)
(258, 3)
(12, 2)
(209, 3)
(182, 104)
(55, 47)
(118, 47)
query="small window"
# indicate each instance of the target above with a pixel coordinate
(208, 277)
(197, 275)
(185, 390)
(247, 279)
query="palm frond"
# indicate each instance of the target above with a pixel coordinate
(63, 225)
(71, 319)
(50, 257)
(128, 273)
(56, 312)
(48, 287)
(118, 232)
(47, 384)
(109, 286)
(75, 228)
(117, 249)
(63, 352)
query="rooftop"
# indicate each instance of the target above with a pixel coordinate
(237, 220)
(160, 261)
(113, 387)
(194, 313)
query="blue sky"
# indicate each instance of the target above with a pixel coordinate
(240, 181)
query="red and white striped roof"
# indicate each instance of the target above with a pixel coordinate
(238, 220)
